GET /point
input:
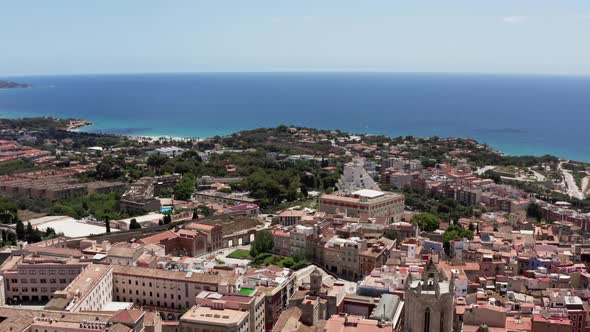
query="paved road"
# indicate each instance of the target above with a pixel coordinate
(484, 169)
(571, 187)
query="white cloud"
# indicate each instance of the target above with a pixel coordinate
(514, 19)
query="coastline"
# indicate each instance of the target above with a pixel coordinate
(200, 106)
(77, 124)
(81, 126)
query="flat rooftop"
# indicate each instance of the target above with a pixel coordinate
(368, 193)
(69, 226)
(210, 316)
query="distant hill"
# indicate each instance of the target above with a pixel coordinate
(12, 85)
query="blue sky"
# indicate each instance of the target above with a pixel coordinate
(119, 36)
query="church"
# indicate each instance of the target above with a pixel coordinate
(429, 302)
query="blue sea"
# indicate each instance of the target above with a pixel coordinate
(519, 115)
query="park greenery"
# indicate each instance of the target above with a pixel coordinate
(100, 206)
(8, 211)
(185, 187)
(426, 221)
(446, 209)
(455, 232)
(264, 259)
(240, 254)
(263, 243)
(534, 211)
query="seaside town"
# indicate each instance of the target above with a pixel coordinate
(286, 229)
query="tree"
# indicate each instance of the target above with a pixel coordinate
(134, 224)
(455, 232)
(156, 161)
(107, 224)
(391, 234)
(262, 243)
(31, 234)
(20, 230)
(304, 191)
(185, 187)
(534, 211)
(195, 214)
(8, 210)
(4, 236)
(50, 232)
(427, 222)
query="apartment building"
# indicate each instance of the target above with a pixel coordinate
(54, 188)
(252, 303)
(355, 177)
(290, 217)
(370, 203)
(341, 256)
(142, 194)
(214, 319)
(167, 291)
(282, 241)
(35, 278)
(301, 241)
(375, 256)
(277, 285)
(90, 291)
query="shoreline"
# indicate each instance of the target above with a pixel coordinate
(77, 124)
(81, 126)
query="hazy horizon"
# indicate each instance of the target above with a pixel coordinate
(65, 37)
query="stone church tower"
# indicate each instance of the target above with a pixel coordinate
(429, 303)
(316, 282)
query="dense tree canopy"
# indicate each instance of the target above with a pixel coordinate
(98, 205)
(427, 222)
(534, 211)
(185, 187)
(262, 243)
(8, 211)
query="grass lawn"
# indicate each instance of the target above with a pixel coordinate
(240, 254)
(269, 259)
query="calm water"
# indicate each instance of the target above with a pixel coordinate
(517, 114)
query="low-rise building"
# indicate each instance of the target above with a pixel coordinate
(369, 203)
(167, 291)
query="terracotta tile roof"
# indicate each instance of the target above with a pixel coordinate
(157, 238)
(127, 316)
